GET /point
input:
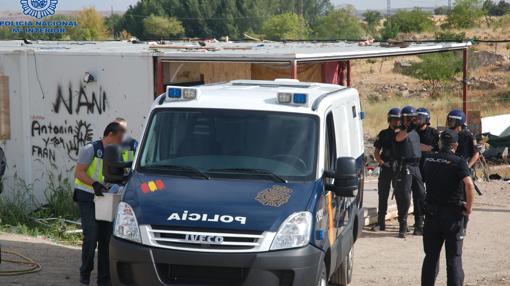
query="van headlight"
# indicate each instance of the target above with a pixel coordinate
(126, 226)
(294, 231)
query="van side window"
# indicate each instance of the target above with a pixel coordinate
(330, 150)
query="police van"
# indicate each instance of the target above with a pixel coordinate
(254, 183)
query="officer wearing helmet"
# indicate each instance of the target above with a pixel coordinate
(450, 195)
(456, 121)
(385, 155)
(408, 172)
(429, 136)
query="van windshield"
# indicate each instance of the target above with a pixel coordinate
(212, 143)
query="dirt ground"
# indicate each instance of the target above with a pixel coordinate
(380, 258)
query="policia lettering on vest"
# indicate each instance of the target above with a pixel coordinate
(89, 183)
(408, 173)
(449, 202)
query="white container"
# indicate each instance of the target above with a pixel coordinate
(106, 206)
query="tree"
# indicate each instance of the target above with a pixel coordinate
(91, 26)
(340, 23)
(114, 25)
(465, 14)
(414, 21)
(492, 9)
(288, 26)
(162, 27)
(435, 69)
(441, 10)
(373, 18)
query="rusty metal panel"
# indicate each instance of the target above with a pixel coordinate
(5, 118)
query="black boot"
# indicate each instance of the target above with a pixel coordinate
(418, 227)
(381, 224)
(402, 230)
(84, 279)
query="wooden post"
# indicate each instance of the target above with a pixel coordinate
(349, 82)
(159, 77)
(294, 69)
(465, 84)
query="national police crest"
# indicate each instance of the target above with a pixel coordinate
(275, 196)
(39, 8)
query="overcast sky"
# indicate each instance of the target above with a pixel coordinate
(14, 5)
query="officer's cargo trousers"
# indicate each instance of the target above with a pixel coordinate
(409, 179)
(443, 225)
(386, 178)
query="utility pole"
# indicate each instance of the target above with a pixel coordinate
(113, 22)
(388, 8)
(449, 6)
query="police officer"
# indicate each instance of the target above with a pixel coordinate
(129, 144)
(429, 136)
(408, 172)
(467, 149)
(384, 154)
(89, 182)
(450, 194)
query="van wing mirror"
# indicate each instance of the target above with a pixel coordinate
(346, 178)
(114, 169)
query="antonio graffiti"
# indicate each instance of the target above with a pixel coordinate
(54, 137)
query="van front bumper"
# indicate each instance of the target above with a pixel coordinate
(136, 264)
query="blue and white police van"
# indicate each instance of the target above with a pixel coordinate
(255, 183)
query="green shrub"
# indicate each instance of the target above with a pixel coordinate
(340, 23)
(288, 26)
(465, 14)
(414, 21)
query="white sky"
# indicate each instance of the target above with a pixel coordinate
(103, 5)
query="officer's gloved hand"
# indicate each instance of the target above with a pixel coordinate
(99, 189)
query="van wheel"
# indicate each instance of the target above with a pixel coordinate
(323, 278)
(343, 275)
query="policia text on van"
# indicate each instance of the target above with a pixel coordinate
(244, 183)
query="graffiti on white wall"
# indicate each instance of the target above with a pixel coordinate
(52, 137)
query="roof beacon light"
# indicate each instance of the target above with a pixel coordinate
(175, 93)
(284, 97)
(300, 98)
(189, 93)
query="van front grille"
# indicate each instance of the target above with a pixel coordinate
(206, 241)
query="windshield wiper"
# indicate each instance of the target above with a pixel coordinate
(178, 168)
(260, 172)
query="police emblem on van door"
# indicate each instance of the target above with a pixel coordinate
(39, 8)
(275, 196)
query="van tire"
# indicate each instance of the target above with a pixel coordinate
(343, 275)
(323, 277)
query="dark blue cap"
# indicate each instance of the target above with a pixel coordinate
(449, 136)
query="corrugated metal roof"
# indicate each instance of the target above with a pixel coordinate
(234, 51)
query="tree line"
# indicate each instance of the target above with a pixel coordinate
(265, 19)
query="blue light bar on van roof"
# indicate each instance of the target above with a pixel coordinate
(300, 98)
(174, 93)
(292, 98)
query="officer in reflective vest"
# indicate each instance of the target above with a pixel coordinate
(89, 182)
(129, 144)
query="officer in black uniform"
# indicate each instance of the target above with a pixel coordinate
(408, 173)
(429, 136)
(450, 194)
(467, 149)
(384, 154)
(3, 166)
